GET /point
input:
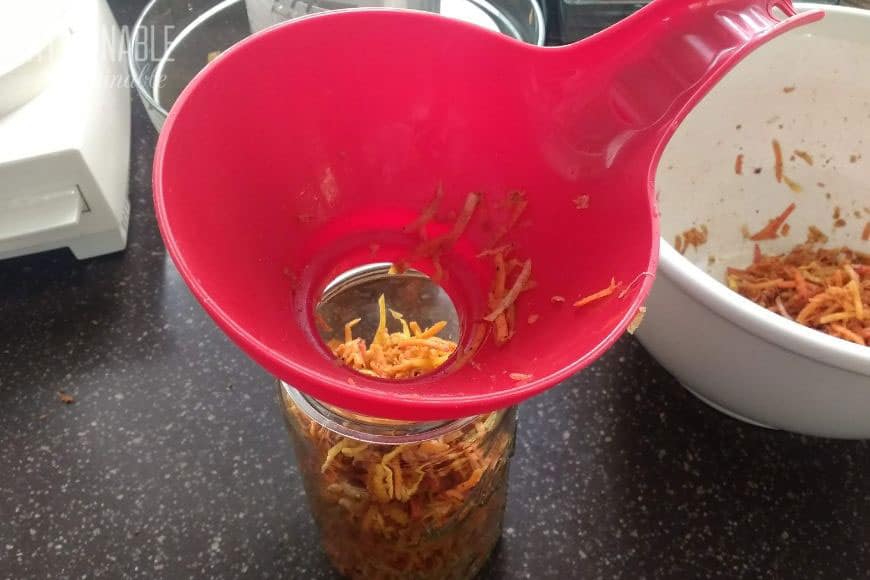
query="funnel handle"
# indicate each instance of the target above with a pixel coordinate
(664, 58)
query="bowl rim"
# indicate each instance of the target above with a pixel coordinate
(751, 317)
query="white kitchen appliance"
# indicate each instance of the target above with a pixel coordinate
(64, 128)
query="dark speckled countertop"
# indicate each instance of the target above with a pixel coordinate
(173, 461)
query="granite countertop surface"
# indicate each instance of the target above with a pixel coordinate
(173, 462)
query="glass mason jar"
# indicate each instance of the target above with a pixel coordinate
(402, 500)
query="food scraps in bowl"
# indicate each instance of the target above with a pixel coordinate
(827, 289)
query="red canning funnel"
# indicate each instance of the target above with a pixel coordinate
(306, 149)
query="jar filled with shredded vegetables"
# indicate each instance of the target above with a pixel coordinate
(402, 500)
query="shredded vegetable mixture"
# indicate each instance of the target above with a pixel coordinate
(503, 296)
(394, 355)
(825, 289)
(426, 510)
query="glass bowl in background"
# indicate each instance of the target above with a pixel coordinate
(174, 39)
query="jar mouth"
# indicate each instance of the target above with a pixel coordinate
(369, 429)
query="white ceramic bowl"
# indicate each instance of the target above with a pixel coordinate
(810, 90)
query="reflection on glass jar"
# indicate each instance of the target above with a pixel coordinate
(400, 500)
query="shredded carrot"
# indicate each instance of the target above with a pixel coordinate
(405, 511)
(502, 330)
(824, 289)
(348, 329)
(693, 237)
(792, 185)
(500, 282)
(394, 355)
(520, 376)
(513, 293)
(321, 323)
(517, 202)
(438, 275)
(598, 295)
(428, 213)
(511, 315)
(848, 334)
(471, 201)
(801, 285)
(771, 230)
(397, 268)
(738, 164)
(637, 320)
(804, 155)
(503, 249)
(777, 160)
(815, 235)
(866, 234)
(435, 246)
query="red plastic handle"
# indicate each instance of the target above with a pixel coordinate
(660, 61)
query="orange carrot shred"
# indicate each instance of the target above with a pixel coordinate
(428, 213)
(598, 295)
(770, 231)
(503, 249)
(461, 223)
(518, 204)
(792, 184)
(513, 293)
(777, 161)
(848, 334)
(756, 254)
(804, 155)
(801, 284)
